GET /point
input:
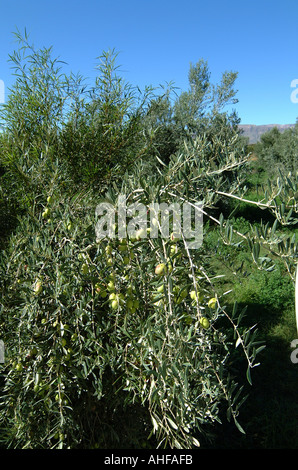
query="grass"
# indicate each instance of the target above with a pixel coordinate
(269, 415)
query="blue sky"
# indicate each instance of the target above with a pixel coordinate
(157, 41)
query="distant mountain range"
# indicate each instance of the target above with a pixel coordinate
(254, 132)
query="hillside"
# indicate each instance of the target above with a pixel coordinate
(254, 132)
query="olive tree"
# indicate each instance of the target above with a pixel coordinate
(130, 332)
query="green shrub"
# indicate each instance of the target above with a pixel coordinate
(272, 290)
(104, 135)
(277, 151)
(90, 328)
(97, 337)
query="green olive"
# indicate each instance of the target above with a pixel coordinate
(204, 322)
(160, 269)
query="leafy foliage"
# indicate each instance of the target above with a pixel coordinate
(104, 134)
(277, 151)
(97, 338)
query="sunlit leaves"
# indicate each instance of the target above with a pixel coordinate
(105, 331)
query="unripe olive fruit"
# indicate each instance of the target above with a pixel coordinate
(173, 250)
(38, 287)
(160, 289)
(212, 302)
(100, 290)
(169, 267)
(193, 295)
(85, 268)
(108, 249)
(174, 237)
(97, 287)
(46, 213)
(204, 322)
(183, 294)
(160, 269)
(141, 233)
(196, 296)
(111, 285)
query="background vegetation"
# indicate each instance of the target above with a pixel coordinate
(101, 351)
